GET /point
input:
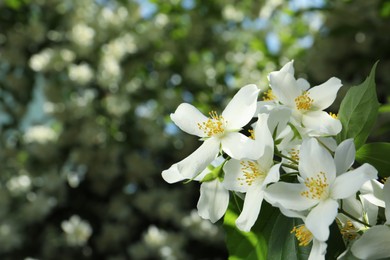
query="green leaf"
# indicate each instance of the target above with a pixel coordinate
(283, 244)
(247, 245)
(270, 238)
(376, 154)
(359, 110)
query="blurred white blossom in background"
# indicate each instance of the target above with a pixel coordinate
(77, 231)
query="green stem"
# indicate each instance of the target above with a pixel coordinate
(353, 218)
(277, 153)
(290, 166)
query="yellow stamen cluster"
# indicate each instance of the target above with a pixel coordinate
(335, 116)
(303, 102)
(251, 172)
(349, 231)
(303, 235)
(215, 125)
(269, 95)
(252, 134)
(294, 154)
(317, 187)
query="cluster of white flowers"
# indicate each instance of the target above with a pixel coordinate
(291, 136)
(40, 134)
(77, 231)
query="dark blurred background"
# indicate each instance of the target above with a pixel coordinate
(86, 89)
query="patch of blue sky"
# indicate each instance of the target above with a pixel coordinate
(296, 5)
(171, 129)
(272, 42)
(35, 112)
(188, 4)
(229, 80)
(306, 42)
(147, 8)
(187, 96)
(256, 24)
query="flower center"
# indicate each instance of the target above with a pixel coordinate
(215, 125)
(294, 154)
(252, 134)
(317, 188)
(349, 231)
(269, 95)
(303, 235)
(335, 116)
(303, 102)
(251, 173)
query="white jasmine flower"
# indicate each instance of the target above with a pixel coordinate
(217, 132)
(40, 134)
(318, 189)
(214, 198)
(77, 231)
(374, 243)
(252, 176)
(305, 237)
(81, 73)
(82, 34)
(19, 184)
(307, 104)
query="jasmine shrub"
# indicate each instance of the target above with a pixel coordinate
(298, 177)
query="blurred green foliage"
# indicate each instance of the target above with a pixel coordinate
(86, 89)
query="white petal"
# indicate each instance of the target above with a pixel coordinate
(213, 200)
(303, 84)
(233, 171)
(264, 141)
(278, 119)
(288, 67)
(329, 142)
(320, 218)
(285, 87)
(215, 163)
(293, 214)
(172, 174)
(386, 193)
(371, 211)
(288, 195)
(353, 206)
(241, 108)
(187, 117)
(320, 123)
(349, 183)
(325, 94)
(313, 159)
(318, 250)
(196, 162)
(239, 146)
(250, 210)
(372, 191)
(344, 156)
(273, 175)
(373, 244)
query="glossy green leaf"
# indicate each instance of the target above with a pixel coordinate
(282, 244)
(359, 110)
(270, 238)
(376, 154)
(247, 245)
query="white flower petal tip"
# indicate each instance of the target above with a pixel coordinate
(373, 244)
(241, 108)
(213, 201)
(344, 155)
(172, 175)
(187, 117)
